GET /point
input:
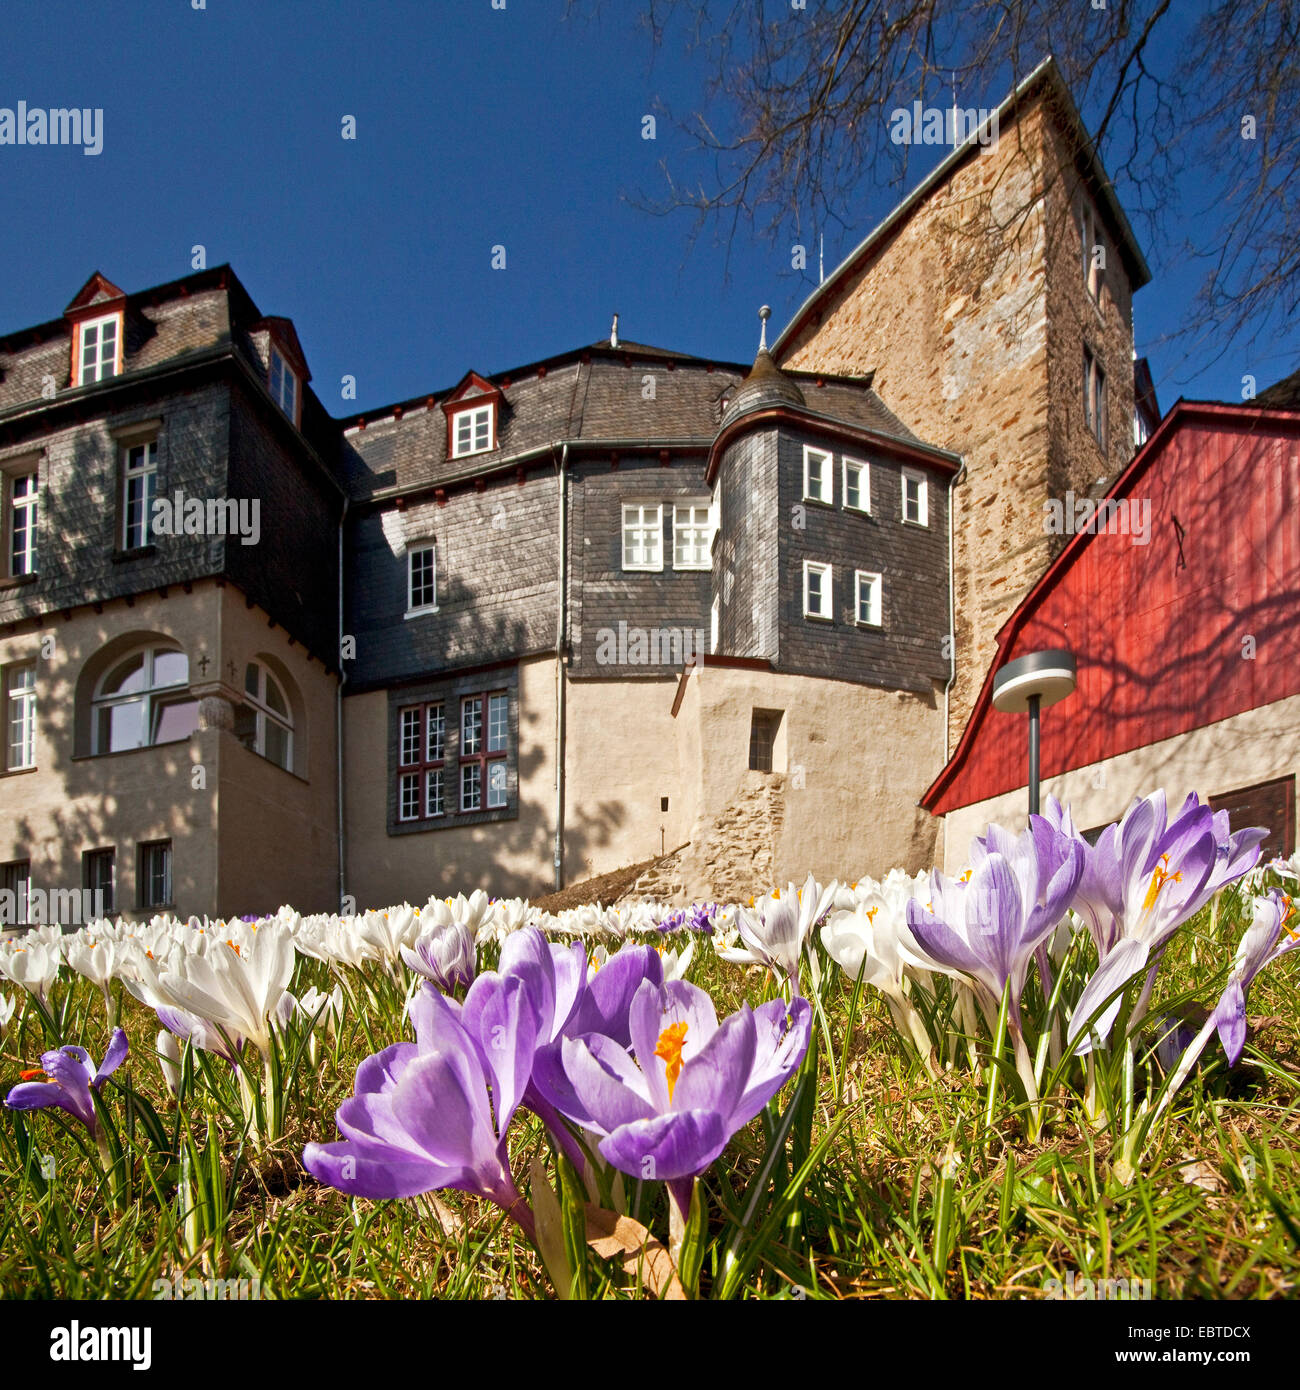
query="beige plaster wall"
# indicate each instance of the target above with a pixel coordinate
(856, 760)
(279, 835)
(73, 802)
(503, 858)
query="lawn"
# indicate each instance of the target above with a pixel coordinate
(917, 1142)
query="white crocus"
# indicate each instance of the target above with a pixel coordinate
(676, 963)
(33, 964)
(7, 1007)
(169, 1060)
(235, 983)
(869, 941)
(96, 955)
(776, 929)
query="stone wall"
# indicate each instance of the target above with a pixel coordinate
(969, 312)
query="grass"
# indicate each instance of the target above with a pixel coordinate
(895, 1190)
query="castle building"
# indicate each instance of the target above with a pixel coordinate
(555, 620)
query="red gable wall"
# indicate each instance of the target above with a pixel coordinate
(1160, 642)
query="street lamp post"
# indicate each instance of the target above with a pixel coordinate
(1032, 683)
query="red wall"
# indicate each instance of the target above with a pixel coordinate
(1160, 645)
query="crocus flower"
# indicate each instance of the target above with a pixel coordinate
(190, 1028)
(564, 1004)
(434, 1113)
(444, 954)
(235, 984)
(988, 929)
(1146, 877)
(1273, 933)
(169, 1060)
(777, 927)
(7, 1007)
(72, 1076)
(669, 1113)
(32, 963)
(869, 941)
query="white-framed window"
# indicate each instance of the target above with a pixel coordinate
(471, 786)
(1094, 252)
(817, 484)
(916, 497)
(20, 717)
(1094, 396)
(643, 536)
(265, 723)
(855, 490)
(99, 345)
(817, 590)
(421, 748)
(409, 796)
(422, 579)
(139, 485)
(435, 800)
(23, 517)
(284, 384)
(155, 874)
(867, 598)
(692, 535)
(471, 726)
(498, 723)
(496, 796)
(471, 430)
(142, 700)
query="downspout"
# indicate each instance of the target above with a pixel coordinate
(952, 636)
(560, 628)
(338, 709)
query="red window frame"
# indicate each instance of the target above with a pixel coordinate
(482, 758)
(424, 764)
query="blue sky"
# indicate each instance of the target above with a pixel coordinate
(475, 128)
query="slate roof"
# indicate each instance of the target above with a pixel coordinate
(598, 394)
(624, 397)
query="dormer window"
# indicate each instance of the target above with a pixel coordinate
(473, 412)
(99, 349)
(472, 431)
(284, 385)
(97, 332)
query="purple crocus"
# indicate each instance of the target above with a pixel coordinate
(1275, 921)
(190, 1028)
(989, 931)
(72, 1077)
(668, 1114)
(1145, 877)
(564, 1003)
(444, 954)
(434, 1113)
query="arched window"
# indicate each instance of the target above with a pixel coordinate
(144, 699)
(265, 723)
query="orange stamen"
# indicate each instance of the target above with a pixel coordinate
(30, 1073)
(1159, 878)
(671, 1042)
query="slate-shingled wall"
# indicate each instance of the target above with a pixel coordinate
(907, 651)
(497, 581)
(79, 558)
(603, 594)
(292, 572)
(745, 555)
